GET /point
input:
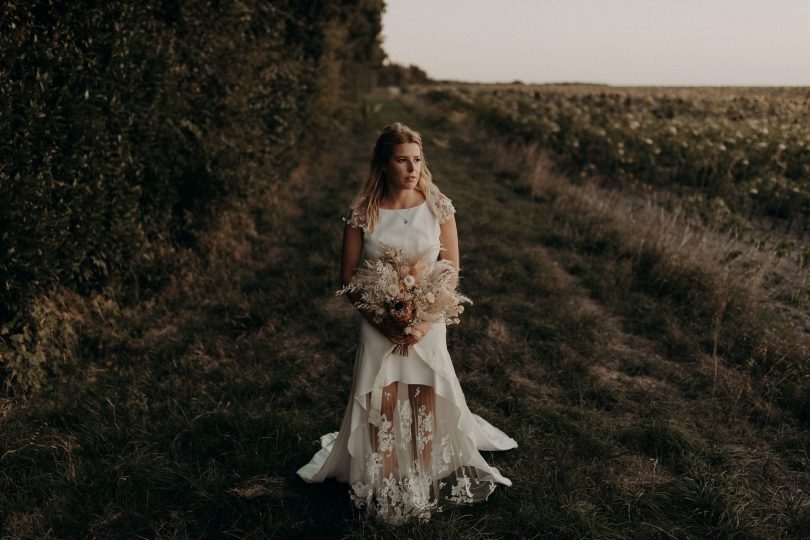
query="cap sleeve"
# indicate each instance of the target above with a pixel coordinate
(355, 219)
(444, 209)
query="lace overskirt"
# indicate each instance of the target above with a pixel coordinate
(408, 445)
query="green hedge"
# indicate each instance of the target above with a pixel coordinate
(124, 122)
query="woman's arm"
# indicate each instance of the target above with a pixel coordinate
(449, 240)
(352, 250)
(350, 260)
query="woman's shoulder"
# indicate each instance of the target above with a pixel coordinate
(356, 217)
(443, 207)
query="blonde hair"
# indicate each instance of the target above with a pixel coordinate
(366, 204)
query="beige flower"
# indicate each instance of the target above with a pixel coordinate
(409, 281)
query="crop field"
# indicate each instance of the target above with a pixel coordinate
(732, 154)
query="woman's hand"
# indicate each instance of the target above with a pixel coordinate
(400, 338)
(424, 328)
(396, 335)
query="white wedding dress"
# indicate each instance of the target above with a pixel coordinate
(409, 449)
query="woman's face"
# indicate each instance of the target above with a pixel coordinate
(404, 167)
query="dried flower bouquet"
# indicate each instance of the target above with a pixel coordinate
(407, 289)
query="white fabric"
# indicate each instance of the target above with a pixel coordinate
(424, 451)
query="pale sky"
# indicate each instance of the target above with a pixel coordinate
(621, 42)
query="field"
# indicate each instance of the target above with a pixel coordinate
(732, 153)
(650, 360)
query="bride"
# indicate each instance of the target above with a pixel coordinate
(408, 445)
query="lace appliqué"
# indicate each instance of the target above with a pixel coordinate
(414, 468)
(424, 428)
(385, 436)
(447, 454)
(405, 421)
(444, 209)
(361, 494)
(461, 493)
(373, 465)
(398, 500)
(356, 219)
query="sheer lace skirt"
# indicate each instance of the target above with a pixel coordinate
(417, 460)
(408, 445)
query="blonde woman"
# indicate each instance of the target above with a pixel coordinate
(419, 452)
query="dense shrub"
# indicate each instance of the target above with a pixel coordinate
(393, 74)
(125, 123)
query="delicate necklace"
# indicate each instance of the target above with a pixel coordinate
(404, 219)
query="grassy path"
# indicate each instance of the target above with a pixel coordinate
(210, 396)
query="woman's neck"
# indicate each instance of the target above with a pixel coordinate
(404, 198)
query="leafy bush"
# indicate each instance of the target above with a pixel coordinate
(125, 123)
